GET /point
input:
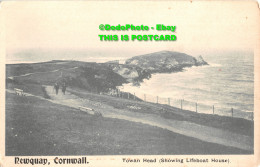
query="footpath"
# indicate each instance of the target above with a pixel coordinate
(204, 133)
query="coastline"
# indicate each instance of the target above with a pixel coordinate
(122, 108)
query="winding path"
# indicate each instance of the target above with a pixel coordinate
(204, 133)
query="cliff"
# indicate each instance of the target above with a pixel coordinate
(98, 77)
(93, 77)
(165, 61)
(131, 73)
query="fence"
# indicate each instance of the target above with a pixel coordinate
(188, 105)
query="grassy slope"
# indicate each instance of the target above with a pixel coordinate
(38, 127)
(44, 121)
(20, 69)
(237, 125)
(89, 76)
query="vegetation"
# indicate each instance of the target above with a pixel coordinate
(38, 127)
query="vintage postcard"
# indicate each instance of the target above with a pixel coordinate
(129, 83)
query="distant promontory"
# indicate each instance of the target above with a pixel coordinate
(137, 68)
(98, 77)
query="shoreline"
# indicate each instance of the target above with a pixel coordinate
(72, 64)
(203, 107)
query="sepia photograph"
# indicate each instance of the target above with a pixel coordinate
(129, 79)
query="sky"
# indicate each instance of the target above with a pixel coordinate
(201, 26)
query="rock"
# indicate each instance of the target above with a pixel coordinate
(201, 61)
(141, 67)
(165, 61)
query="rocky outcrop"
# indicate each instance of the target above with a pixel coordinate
(201, 61)
(131, 73)
(165, 61)
(141, 67)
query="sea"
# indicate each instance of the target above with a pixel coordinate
(224, 87)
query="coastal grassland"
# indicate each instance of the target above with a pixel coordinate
(95, 77)
(21, 69)
(39, 127)
(28, 87)
(235, 125)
